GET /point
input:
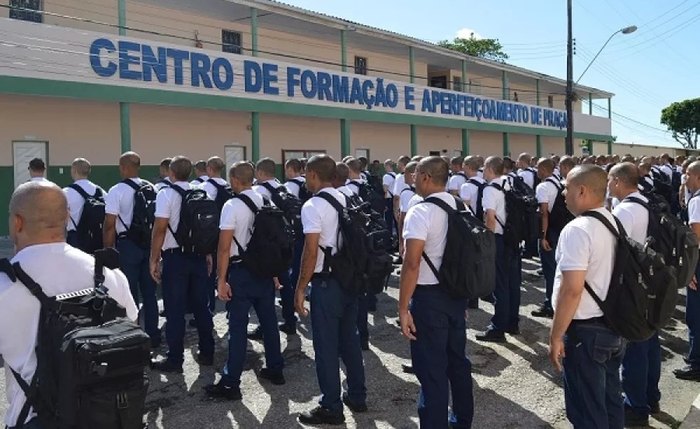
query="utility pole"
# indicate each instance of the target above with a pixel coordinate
(569, 144)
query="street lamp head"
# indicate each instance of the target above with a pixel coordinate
(628, 30)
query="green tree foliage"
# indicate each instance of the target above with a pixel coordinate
(683, 119)
(490, 49)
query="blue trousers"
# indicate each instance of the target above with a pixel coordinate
(549, 268)
(641, 371)
(334, 328)
(133, 261)
(185, 280)
(32, 424)
(439, 360)
(507, 292)
(250, 291)
(692, 319)
(363, 302)
(289, 284)
(592, 387)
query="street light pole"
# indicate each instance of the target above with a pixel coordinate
(626, 30)
(569, 143)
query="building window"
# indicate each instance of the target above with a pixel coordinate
(550, 100)
(362, 152)
(231, 41)
(299, 153)
(457, 84)
(515, 96)
(234, 153)
(438, 82)
(360, 65)
(27, 10)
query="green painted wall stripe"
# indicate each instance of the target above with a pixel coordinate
(255, 135)
(121, 17)
(411, 65)
(465, 142)
(88, 91)
(7, 181)
(125, 126)
(414, 140)
(538, 145)
(345, 126)
(506, 144)
(609, 108)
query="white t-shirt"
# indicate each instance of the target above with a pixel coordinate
(405, 198)
(428, 222)
(528, 176)
(469, 193)
(199, 182)
(399, 184)
(168, 203)
(76, 202)
(694, 209)
(237, 216)
(210, 189)
(634, 217)
(39, 179)
(688, 194)
(456, 181)
(319, 217)
(58, 268)
(346, 191)
(388, 182)
(352, 184)
(667, 170)
(260, 189)
(585, 244)
(119, 202)
(495, 199)
(293, 187)
(162, 183)
(546, 192)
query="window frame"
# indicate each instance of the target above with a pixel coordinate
(234, 49)
(30, 14)
(359, 68)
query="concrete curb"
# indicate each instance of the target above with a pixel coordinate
(692, 420)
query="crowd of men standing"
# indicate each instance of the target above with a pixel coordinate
(143, 221)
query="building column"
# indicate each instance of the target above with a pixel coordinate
(254, 116)
(412, 73)
(590, 104)
(506, 139)
(538, 138)
(610, 147)
(124, 108)
(610, 108)
(465, 131)
(345, 124)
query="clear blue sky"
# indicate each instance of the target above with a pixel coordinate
(647, 70)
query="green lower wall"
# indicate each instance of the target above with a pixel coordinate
(6, 180)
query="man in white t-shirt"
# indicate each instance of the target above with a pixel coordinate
(472, 192)
(692, 303)
(430, 317)
(243, 289)
(333, 309)
(400, 182)
(407, 199)
(77, 193)
(200, 170)
(525, 171)
(37, 170)
(38, 212)
(163, 174)
(591, 352)
(458, 178)
(641, 366)
(388, 185)
(184, 275)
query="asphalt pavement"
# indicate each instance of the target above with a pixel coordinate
(514, 384)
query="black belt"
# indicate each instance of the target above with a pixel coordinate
(173, 251)
(590, 321)
(427, 286)
(321, 276)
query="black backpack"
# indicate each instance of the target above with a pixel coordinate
(290, 205)
(669, 237)
(91, 360)
(89, 226)
(223, 193)
(198, 229)
(662, 185)
(304, 193)
(144, 216)
(522, 220)
(369, 194)
(479, 197)
(642, 294)
(468, 268)
(560, 215)
(363, 262)
(269, 251)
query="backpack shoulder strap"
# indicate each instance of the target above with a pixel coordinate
(331, 200)
(31, 285)
(269, 187)
(556, 185)
(77, 188)
(602, 219)
(297, 182)
(131, 183)
(637, 201)
(216, 184)
(442, 204)
(248, 202)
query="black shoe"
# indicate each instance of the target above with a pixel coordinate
(162, 313)
(364, 344)
(204, 360)
(473, 304)
(543, 311)
(256, 334)
(492, 336)
(687, 373)
(155, 343)
(408, 369)
(166, 366)
(513, 331)
(287, 329)
(223, 392)
(321, 416)
(489, 298)
(192, 323)
(276, 377)
(654, 408)
(633, 419)
(355, 408)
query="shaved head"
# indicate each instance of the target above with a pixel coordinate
(592, 177)
(130, 159)
(38, 212)
(436, 168)
(627, 173)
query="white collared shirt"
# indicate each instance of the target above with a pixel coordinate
(633, 217)
(585, 244)
(469, 192)
(119, 202)
(199, 182)
(39, 179)
(547, 192)
(293, 187)
(405, 198)
(260, 189)
(162, 183)
(494, 199)
(456, 181)
(319, 217)
(427, 222)
(76, 201)
(694, 208)
(528, 176)
(58, 268)
(168, 203)
(388, 181)
(352, 184)
(210, 189)
(237, 216)
(399, 184)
